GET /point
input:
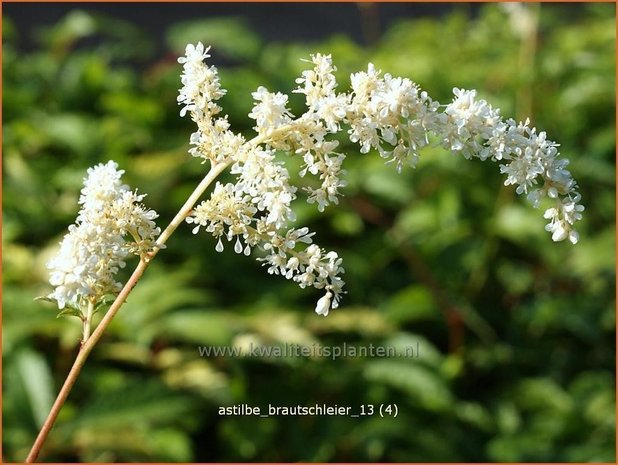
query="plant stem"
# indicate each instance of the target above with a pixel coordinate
(184, 211)
(215, 171)
(82, 355)
(87, 321)
(89, 341)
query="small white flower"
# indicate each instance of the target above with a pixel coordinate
(323, 305)
(559, 233)
(270, 110)
(194, 54)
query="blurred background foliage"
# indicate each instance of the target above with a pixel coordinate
(516, 334)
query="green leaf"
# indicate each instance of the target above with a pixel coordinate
(423, 385)
(70, 311)
(414, 303)
(135, 403)
(37, 383)
(104, 303)
(171, 445)
(199, 326)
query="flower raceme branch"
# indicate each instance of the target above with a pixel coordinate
(255, 211)
(390, 115)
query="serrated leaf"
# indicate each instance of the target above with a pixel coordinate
(105, 303)
(70, 311)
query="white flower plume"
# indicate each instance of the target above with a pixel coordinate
(390, 115)
(111, 225)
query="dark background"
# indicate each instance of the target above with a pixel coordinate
(272, 21)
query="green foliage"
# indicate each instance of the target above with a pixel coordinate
(515, 333)
(230, 37)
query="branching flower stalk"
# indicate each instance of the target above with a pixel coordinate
(389, 115)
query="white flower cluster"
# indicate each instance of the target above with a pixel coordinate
(95, 247)
(201, 89)
(475, 129)
(391, 115)
(251, 216)
(256, 209)
(388, 114)
(306, 135)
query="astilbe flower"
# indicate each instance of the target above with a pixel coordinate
(111, 225)
(390, 115)
(476, 130)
